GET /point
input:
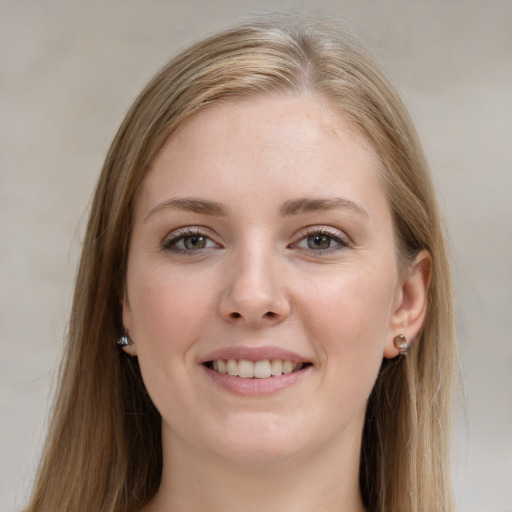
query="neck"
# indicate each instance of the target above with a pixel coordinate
(327, 480)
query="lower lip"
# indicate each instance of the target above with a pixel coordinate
(253, 386)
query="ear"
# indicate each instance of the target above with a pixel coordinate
(130, 349)
(411, 302)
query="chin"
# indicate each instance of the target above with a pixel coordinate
(254, 442)
(252, 456)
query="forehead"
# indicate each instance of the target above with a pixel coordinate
(287, 145)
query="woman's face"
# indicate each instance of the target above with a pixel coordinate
(263, 244)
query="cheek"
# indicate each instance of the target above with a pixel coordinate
(165, 304)
(169, 313)
(349, 319)
(353, 303)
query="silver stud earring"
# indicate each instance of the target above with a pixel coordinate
(401, 344)
(124, 341)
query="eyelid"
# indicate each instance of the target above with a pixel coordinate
(169, 241)
(337, 235)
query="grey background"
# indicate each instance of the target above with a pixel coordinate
(68, 72)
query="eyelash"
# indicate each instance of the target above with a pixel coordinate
(185, 234)
(341, 240)
(188, 233)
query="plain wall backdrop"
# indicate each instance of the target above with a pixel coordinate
(69, 70)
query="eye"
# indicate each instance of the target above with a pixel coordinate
(322, 240)
(319, 241)
(188, 241)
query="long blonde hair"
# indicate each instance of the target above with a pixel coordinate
(103, 452)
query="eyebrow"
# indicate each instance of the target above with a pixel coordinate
(297, 206)
(292, 207)
(189, 204)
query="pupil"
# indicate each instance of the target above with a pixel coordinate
(195, 242)
(319, 242)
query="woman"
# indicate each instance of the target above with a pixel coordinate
(265, 248)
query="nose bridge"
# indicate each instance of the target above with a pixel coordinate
(255, 290)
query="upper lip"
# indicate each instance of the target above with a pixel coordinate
(253, 354)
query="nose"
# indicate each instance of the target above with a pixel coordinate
(254, 294)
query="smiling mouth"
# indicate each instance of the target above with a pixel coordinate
(264, 369)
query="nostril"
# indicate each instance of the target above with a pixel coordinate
(270, 314)
(235, 315)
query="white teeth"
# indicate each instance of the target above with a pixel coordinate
(287, 367)
(260, 369)
(245, 369)
(232, 367)
(276, 367)
(222, 366)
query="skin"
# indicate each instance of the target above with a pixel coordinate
(260, 279)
